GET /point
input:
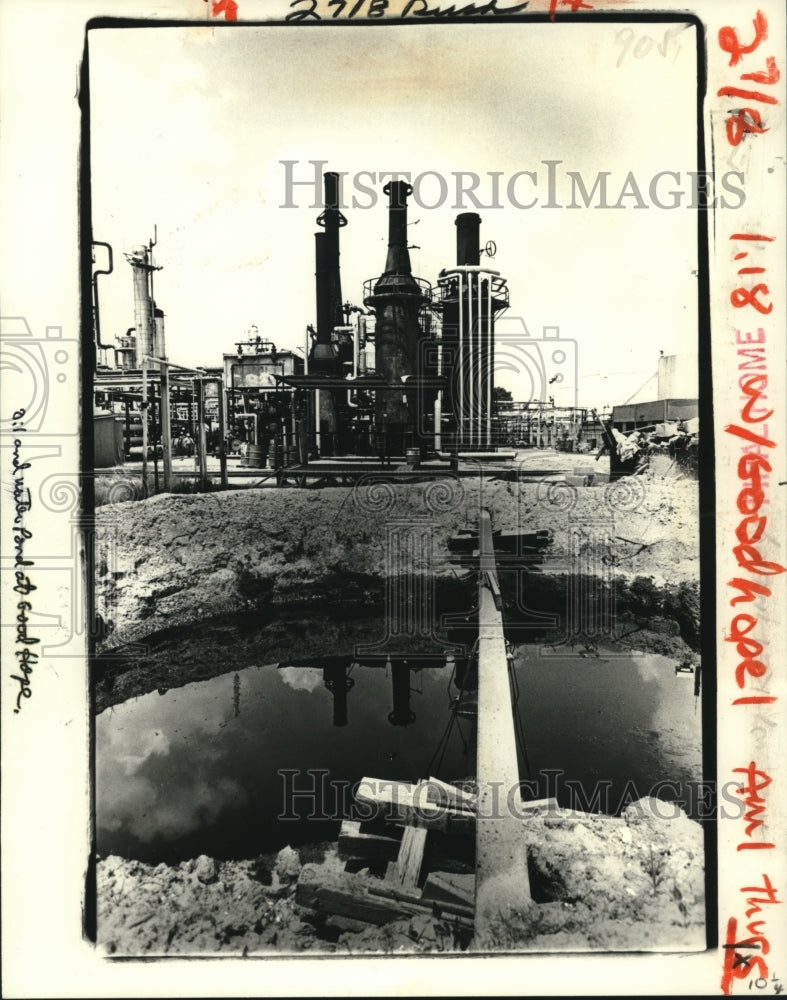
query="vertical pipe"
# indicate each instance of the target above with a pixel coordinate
(203, 468)
(144, 414)
(490, 346)
(222, 432)
(480, 358)
(460, 364)
(166, 425)
(438, 403)
(127, 445)
(471, 350)
(155, 435)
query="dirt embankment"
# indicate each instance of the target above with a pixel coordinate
(598, 883)
(172, 561)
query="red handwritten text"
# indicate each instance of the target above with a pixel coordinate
(226, 7)
(756, 781)
(750, 534)
(739, 963)
(748, 120)
(575, 5)
(743, 296)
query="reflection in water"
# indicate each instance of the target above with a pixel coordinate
(612, 723)
(402, 715)
(187, 772)
(183, 774)
(339, 684)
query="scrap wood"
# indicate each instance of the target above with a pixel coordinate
(411, 857)
(367, 900)
(444, 793)
(443, 887)
(348, 895)
(404, 803)
(417, 900)
(357, 842)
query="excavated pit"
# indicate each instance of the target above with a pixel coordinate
(218, 615)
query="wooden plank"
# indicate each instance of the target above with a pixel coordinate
(411, 856)
(355, 842)
(417, 900)
(367, 900)
(444, 793)
(541, 806)
(406, 804)
(450, 888)
(348, 896)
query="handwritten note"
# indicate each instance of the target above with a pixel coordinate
(26, 657)
(747, 942)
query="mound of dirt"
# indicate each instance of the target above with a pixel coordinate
(635, 883)
(170, 560)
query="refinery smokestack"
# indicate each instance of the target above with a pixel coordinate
(396, 300)
(323, 358)
(468, 246)
(328, 277)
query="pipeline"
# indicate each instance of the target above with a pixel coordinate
(96, 312)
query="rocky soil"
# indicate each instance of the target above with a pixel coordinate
(174, 560)
(598, 883)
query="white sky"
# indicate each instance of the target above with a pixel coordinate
(189, 125)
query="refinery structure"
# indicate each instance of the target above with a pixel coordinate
(506, 567)
(402, 375)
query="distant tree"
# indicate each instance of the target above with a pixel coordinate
(500, 395)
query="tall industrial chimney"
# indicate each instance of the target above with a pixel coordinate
(396, 300)
(323, 355)
(468, 246)
(144, 319)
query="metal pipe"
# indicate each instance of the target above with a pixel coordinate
(96, 273)
(460, 362)
(438, 403)
(468, 251)
(166, 428)
(203, 467)
(490, 347)
(470, 351)
(144, 414)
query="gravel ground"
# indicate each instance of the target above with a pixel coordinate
(635, 883)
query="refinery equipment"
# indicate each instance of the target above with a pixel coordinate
(471, 297)
(431, 388)
(148, 319)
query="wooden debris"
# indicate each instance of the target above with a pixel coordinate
(442, 793)
(357, 841)
(348, 896)
(367, 900)
(411, 857)
(417, 900)
(541, 806)
(448, 888)
(404, 803)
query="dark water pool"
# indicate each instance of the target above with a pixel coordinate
(616, 725)
(198, 769)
